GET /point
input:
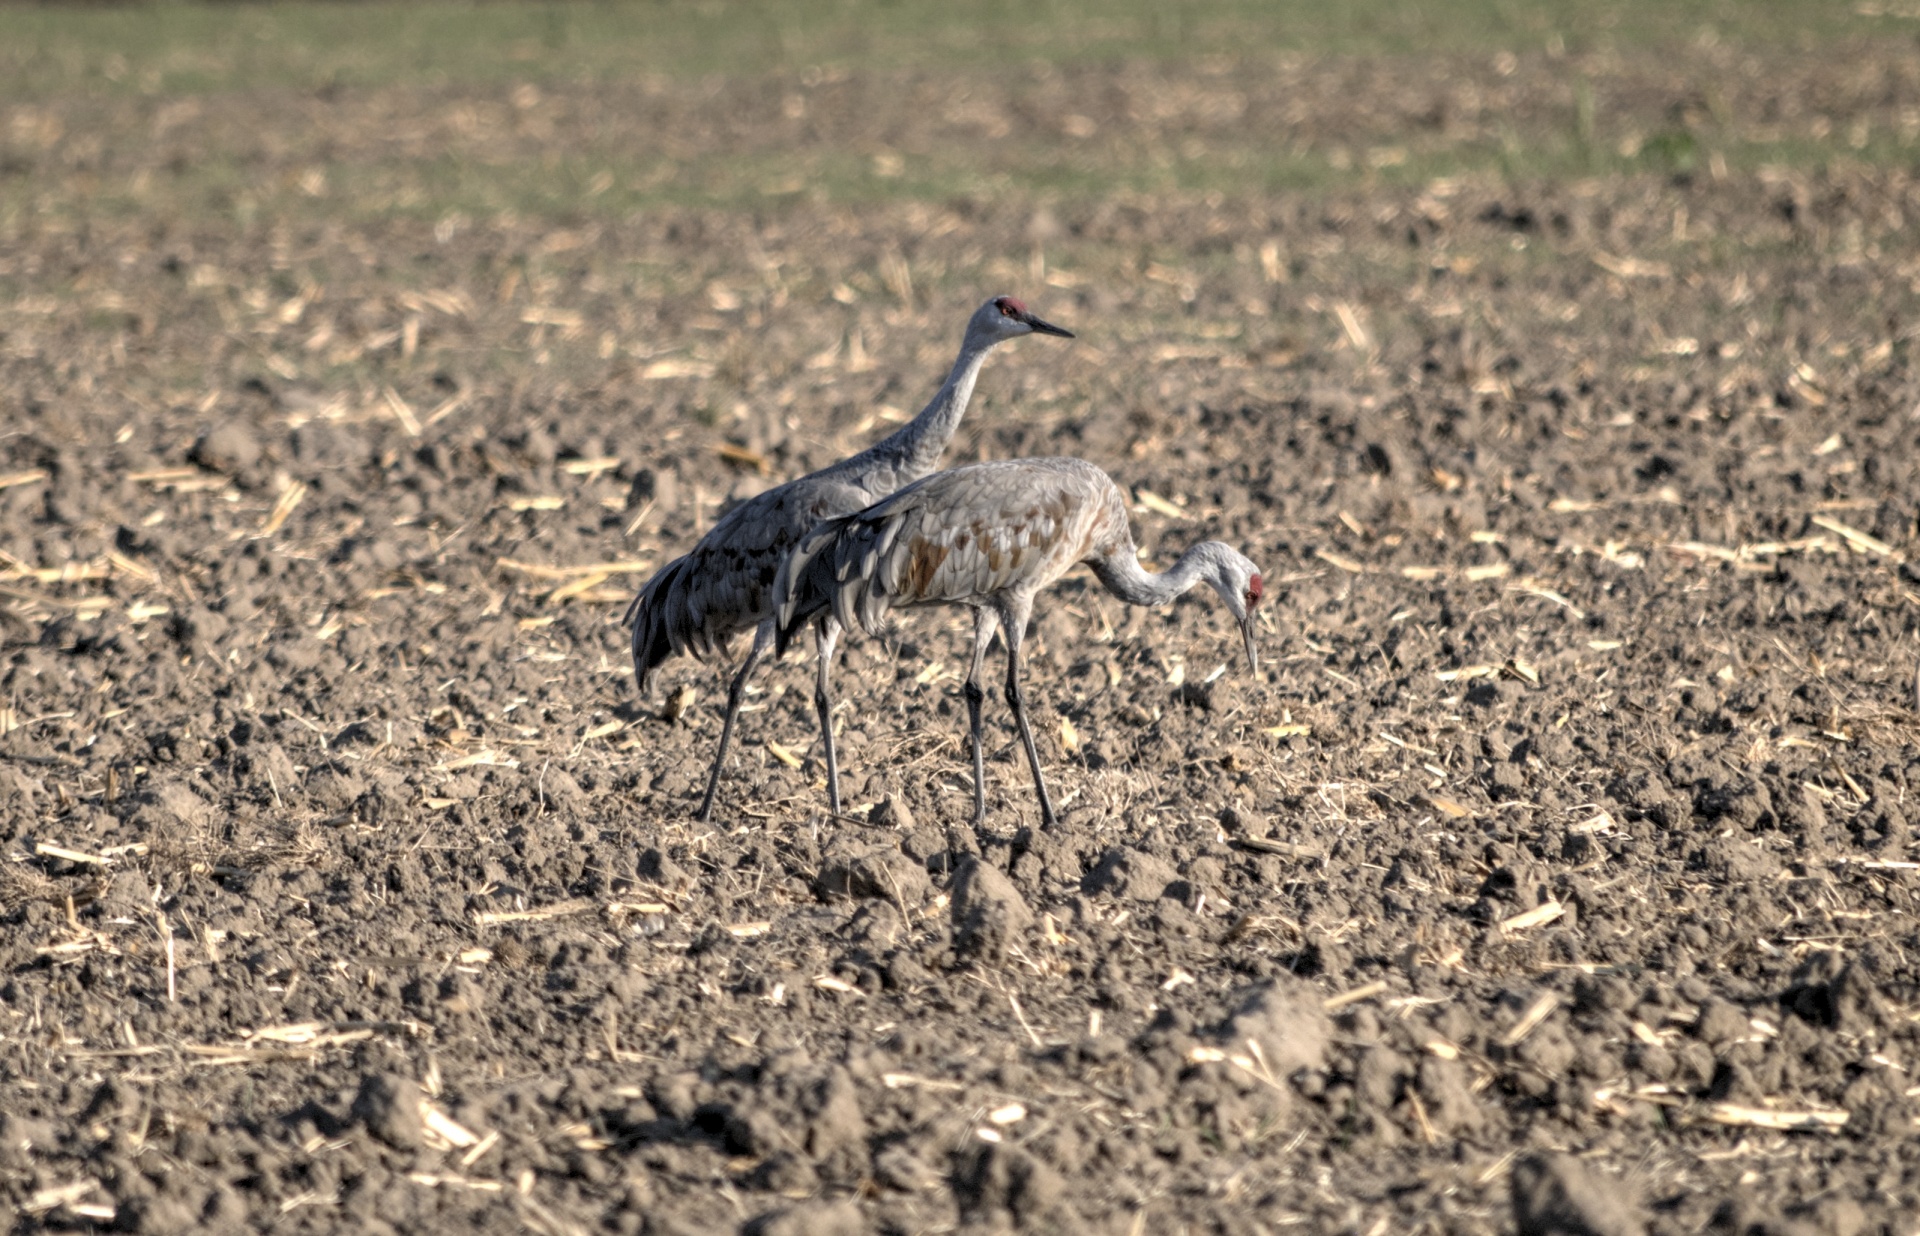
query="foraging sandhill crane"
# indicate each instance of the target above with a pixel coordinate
(991, 535)
(722, 586)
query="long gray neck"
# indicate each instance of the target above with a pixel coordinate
(914, 450)
(1125, 578)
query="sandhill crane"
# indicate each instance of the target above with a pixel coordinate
(722, 586)
(991, 535)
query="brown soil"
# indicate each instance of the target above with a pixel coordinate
(1560, 845)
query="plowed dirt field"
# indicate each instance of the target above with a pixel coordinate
(1556, 867)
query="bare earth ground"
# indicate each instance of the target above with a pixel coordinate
(1573, 782)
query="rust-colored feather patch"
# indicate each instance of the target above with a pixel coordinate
(924, 558)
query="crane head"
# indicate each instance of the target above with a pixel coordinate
(1004, 318)
(1239, 584)
(1254, 589)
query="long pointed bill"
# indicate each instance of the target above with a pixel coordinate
(1046, 328)
(1253, 652)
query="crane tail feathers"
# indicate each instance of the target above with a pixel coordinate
(799, 592)
(833, 569)
(650, 619)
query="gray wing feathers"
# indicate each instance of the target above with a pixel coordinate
(832, 568)
(964, 535)
(807, 582)
(724, 585)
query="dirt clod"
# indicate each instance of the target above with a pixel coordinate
(996, 1182)
(989, 915)
(1284, 1020)
(892, 812)
(840, 1218)
(229, 448)
(391, 1108)
(1558, 1195)
(875, 872)
(896, 1167)
(1830, 989)
(1721, 1021)
(1129, 873)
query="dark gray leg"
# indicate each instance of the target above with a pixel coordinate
(1017, 700)
(984, 622)
(762, 640)
(826, 634)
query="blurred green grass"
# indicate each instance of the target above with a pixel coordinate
(181, 48)
(89, 91)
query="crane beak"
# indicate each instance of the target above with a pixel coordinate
(1040, 327)
(1253, 651)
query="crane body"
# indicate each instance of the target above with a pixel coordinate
(701, 601)
(991, 536)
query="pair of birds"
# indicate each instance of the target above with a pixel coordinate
(881, 530)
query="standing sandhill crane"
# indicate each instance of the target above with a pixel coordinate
(991, 535)
(722, 586)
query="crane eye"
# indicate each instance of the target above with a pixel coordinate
(1255, 587)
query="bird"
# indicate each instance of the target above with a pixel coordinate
(991, 536)
(723, 586)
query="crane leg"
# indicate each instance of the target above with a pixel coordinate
(826, 634)
(1017, 700)
(762, 640)
(984, 622)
